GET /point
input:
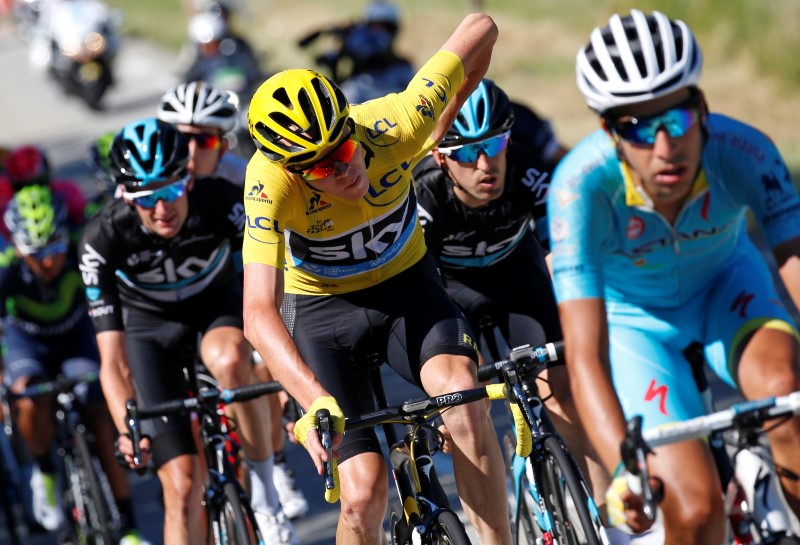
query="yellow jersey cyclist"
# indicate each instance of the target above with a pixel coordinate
(650, 253)
(333, 241)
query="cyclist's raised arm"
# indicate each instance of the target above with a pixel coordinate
(787, 256)
(472, 42)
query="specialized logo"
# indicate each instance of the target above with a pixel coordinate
(257, 194)
(316, 204)
(654, 391)
(425, 107)
(741, 302)
(90, 265)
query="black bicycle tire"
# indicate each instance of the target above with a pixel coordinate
(447, 529)
(556, 458)
(241, 522)
(93, 495)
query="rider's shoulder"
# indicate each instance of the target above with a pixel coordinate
(726, 132)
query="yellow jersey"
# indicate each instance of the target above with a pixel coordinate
(331, 245)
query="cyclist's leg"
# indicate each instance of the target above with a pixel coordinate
(439, 340)
(755, 348)
(156, 350)
(651, 378)
(333, 335)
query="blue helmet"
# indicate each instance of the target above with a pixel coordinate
(147, 151)
(486, 112)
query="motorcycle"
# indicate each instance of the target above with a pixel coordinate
(77, 40)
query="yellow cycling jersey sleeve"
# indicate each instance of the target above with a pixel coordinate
(331, 245)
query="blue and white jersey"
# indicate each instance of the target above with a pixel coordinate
(607, 240)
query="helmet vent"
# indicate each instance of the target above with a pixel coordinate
(326, 102)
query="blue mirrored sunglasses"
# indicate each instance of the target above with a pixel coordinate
(168, 193)
(469, 153)
(642, 130)
(50, 250)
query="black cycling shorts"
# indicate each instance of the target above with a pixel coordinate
(335, 335)
(160, 347)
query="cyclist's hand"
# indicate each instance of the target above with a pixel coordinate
(305, 429)
(626, 507)
(123, 448)
(447, 445)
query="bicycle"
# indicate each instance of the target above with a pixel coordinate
(425, 515)
(551, 500)
(10, 494)
(86, 498)
(230, 518)
(745, 419)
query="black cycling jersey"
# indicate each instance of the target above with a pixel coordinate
(536, 133)
(123, 264)
(463, 237)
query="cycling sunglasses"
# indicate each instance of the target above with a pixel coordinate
(642, 130)
(469, 153)
(204, 141)
(168, 193)
(56, 248)
(343, 152)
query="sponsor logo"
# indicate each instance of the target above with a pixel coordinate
(378, 134)
(90, 265)
(559, 229)
(425, 108)
(635, 228)
(654, 391)
(565, 198)
(263, 223)
(170, 271)
(536, 181)
(317, 204)
(387, 181)
(257, 194)
(237, 216)
(320, 226)
(93, 294)
(771, 183)
(101, 311)
(741, 302)
(704, 207)
(446, 400)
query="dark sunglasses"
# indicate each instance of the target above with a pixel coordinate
(643, 130)
(469, 153)
(343, 152)
(168, 193)
(53, 249)
(204, 141)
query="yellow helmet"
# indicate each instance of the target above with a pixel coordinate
(296, 115)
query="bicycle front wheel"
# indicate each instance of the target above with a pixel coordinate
(565, 494)
(231, 523)
(448, 530)
(91, 514)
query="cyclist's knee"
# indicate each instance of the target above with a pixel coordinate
(364, 494)
(698, 519)
(181, 488)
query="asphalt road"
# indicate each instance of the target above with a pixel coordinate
(33, 110)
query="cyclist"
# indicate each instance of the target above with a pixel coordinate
(158, 272)
(480, 193)
(204, 115)
(650, 253)
(332, 234)
(29, 165)
(47, 332)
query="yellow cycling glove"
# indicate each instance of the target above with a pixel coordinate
(308, 422)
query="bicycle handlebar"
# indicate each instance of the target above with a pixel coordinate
(424, 409)
(542, 356)
(206, 397)
(61, 384)
(742, 415)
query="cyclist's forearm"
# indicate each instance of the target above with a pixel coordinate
(787, 256)
(269, 337)
(116, 378)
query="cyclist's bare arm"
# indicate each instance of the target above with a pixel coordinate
(586, 349)
(117, 382)
(472, 42)
(787, 256)
(264, 328)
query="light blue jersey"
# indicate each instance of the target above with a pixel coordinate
(608, 242)
(669, 285)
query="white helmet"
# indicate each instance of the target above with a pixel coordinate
(636, 58)
(196, 103)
